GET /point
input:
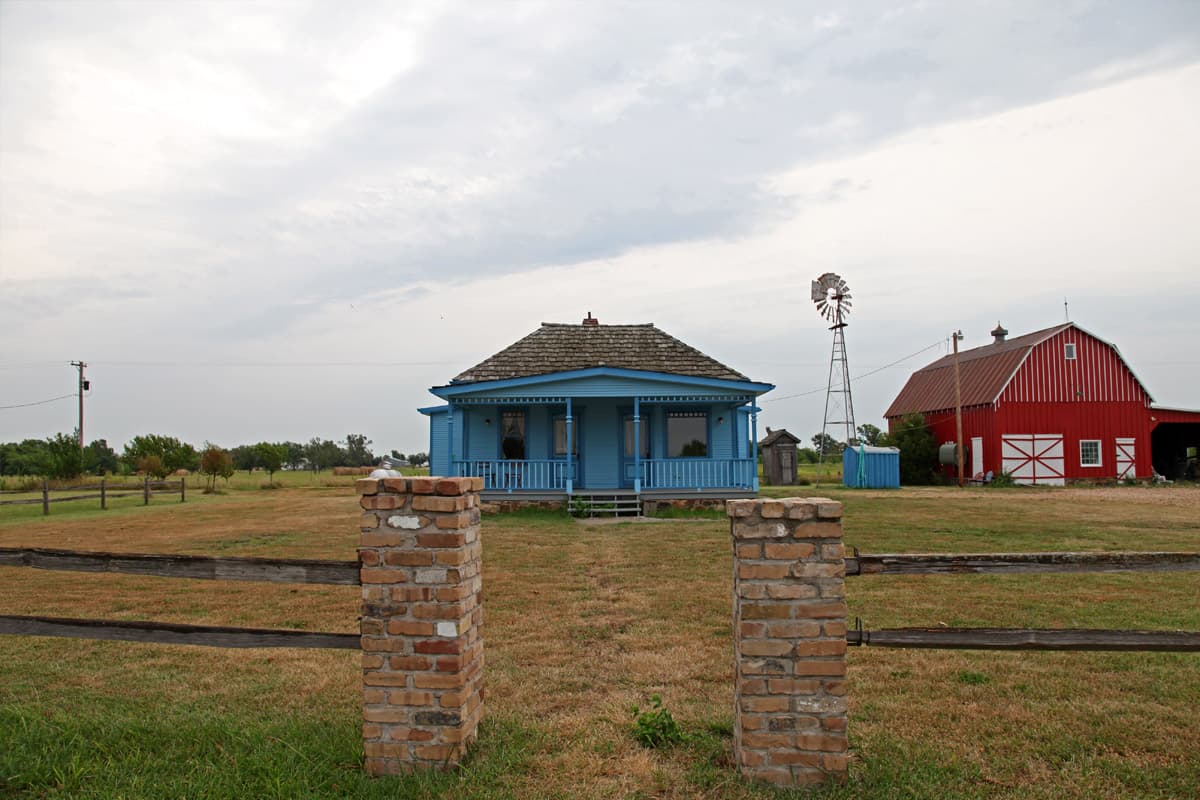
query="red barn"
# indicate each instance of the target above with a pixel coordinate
(1049, 407)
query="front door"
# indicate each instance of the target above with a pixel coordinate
(1125, 457)
(628, 448)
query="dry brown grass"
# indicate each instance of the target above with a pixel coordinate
(583, 622)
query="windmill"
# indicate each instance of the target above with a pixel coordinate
(832, 297)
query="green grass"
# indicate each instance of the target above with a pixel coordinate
(581, 623)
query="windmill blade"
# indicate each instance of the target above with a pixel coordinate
(818, 291)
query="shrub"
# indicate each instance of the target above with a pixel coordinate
(655, 727)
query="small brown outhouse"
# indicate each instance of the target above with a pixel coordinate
(779, 457)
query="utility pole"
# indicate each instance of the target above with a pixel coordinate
(958, 442)
(83, 385)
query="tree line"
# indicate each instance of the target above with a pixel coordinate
(60, 457)
(918, 449)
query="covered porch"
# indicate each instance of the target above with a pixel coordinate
(667, 436)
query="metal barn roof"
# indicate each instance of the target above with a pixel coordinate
(983, 372)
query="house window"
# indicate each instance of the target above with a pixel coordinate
(687, 434)
(1069, 351)
(1089, 453)
(560, 436)
(643, 437)
(512, 435)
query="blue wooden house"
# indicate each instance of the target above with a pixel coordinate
(595, 409)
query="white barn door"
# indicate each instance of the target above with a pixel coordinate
(1126, 465)
(1034, 458)
(977, 457)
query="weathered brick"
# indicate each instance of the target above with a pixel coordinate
(436, 503)
(823, 647)
(408, 558)
(411, 594)
(403, 627)
(441, 540)
(413, 663)
(422, 485)
(370, 661)
(398, 485)
(799, 629)
(453, 522)
(823, 742)
(381, 540)
(788, 550)
(766, 647)
(765, 703)
(385, 679)
(767, 739)
(740, 508)
(382, 502)
(439, 680)
(771, 509)
(752, 550)
(371, 731)
(366, 485)
(834, 667)
(387, 715)
(368, 521)
(368, 558)
(380, 575)
(763, 572)
(435, 752)
(454, 486)
(440, 646)
(768, 611)
(819, 530)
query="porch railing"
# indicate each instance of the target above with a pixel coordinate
(698, 473)
(509, 475)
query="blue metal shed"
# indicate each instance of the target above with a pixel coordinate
(871, 467)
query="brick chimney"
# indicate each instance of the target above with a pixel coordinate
(591, 321)
(998, 334)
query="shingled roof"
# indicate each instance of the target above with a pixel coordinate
(558, 347)
(984, 372)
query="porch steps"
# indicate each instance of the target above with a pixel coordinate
(606, 504)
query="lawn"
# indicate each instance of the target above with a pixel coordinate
(581, 623)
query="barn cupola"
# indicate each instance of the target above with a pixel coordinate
(998, 334)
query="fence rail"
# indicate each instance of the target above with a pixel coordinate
(1027, 639)
(345, 573)
(173, 633)
(106, 491)
(1017, 563)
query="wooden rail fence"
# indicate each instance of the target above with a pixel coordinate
(347, 573)
(104, 493)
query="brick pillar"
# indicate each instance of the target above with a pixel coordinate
(422, 654)
(789, 622)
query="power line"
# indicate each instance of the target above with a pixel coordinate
(859, 377)
(39, 402)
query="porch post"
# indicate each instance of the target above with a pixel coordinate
(637, 445)
(450, 469)
(570, 453)
(754, 444)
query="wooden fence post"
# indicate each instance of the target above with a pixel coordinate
(45, 497)
(103, 494)
(146, 491)
(422, 656)
(789, 632)
(182, 490)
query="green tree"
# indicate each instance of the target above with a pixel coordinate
(870, 434)
(270, 457)
(172, 454)
(215, 462)
(295, 455)
(63, 459)
(824, 443)
(245, 456)
(358, 451)
(99, 458)
(417, 459)
(918, 451)
(152, 464)
(323, 454)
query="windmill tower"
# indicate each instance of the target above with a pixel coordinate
(832, 297)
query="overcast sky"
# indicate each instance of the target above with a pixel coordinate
(279, 221)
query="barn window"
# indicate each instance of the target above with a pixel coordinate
(687, 434)
(1089, 453)
(1069, 351)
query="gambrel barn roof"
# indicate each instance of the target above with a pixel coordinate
(558, 347)
(984, 373)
